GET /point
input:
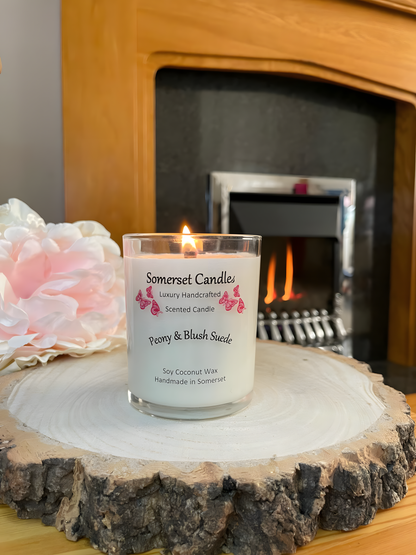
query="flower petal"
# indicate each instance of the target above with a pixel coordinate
(64, 328)
(50, 246)
(64, 235)
(45, 342)
(62, 284)
(29, 272)
(15, 234)
(111, 251)
(101, 323)
(89, 228)
(83, 254)
(42, 305)
(13, 320)
(6, 290)
(19, 340)
(6, 248)
(31, 249)
(16, 212)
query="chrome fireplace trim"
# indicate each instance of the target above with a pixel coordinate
(221, 184)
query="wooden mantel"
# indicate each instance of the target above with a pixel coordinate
(408, 6)
(112, 50)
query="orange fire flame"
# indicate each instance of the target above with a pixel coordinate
(289, 272)
(271, 274)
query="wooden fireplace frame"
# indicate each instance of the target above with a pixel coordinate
(112, 49)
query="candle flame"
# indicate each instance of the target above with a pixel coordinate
(187, 239)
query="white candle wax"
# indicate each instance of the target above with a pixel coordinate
(191, 327)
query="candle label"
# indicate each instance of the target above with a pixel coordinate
(192, 328)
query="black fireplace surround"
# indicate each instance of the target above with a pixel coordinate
(259, 123)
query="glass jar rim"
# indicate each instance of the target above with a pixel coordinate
(244, 237)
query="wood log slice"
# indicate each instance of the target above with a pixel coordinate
(324, 443)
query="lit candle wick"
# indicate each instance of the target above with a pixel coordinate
(188, 244)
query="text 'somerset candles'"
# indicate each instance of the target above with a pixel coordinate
(191, 322)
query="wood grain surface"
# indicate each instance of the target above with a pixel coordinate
(100, 99)
(87, 404)
(392, 532)
(112, 50)
(402, 315)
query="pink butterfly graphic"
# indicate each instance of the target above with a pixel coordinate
(149, 292)
(229, 304)
(143, 302)
(240, 306)
(224, 298)
(236, 291)
(155, 310)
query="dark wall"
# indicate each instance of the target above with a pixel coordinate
(259, 123)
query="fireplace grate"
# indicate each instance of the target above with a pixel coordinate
(314, 328)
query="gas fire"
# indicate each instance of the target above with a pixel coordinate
(289, 272)
(271, 274)
(289, 294)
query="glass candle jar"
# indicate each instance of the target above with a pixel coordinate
(191, 322)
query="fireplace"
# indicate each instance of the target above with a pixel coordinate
(261, 127)
(307, 268)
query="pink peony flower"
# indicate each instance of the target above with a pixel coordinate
(61, 288)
